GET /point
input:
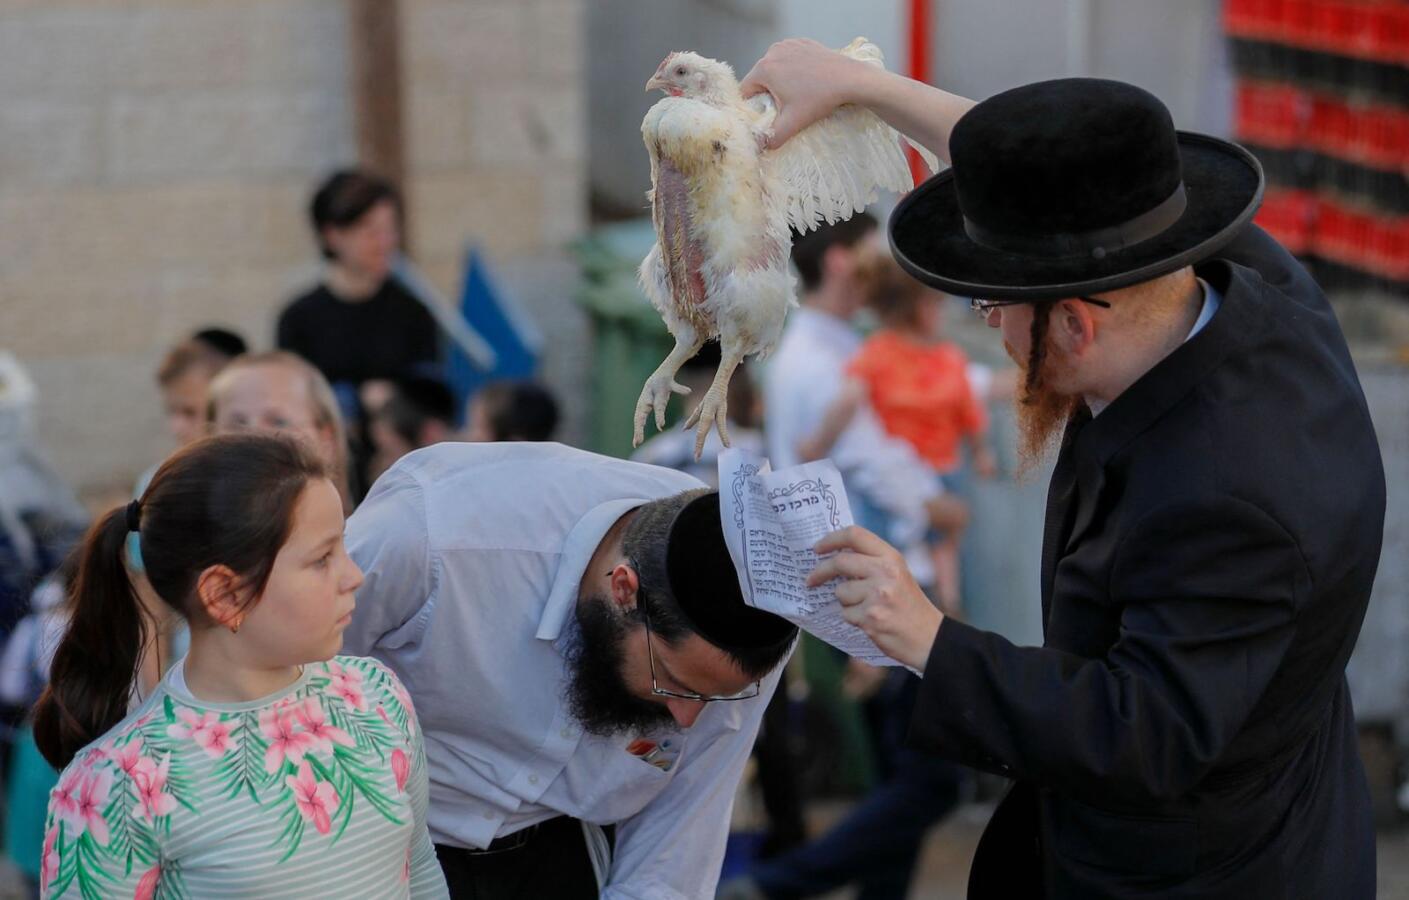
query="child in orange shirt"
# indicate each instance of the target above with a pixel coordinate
(918, 385)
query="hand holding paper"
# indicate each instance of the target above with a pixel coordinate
(878, 594)
(772, 520)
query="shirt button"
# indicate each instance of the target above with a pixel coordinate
(488, 814)
(533, 779)
(566, 732)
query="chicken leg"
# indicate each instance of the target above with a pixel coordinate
(713, 410)
(655, 394)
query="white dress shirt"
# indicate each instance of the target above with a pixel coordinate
(802, 379)
(473, 556)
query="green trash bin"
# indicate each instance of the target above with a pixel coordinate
(628, 337)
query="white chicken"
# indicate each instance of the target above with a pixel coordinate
(723, 206)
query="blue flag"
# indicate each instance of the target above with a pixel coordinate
(494, 317)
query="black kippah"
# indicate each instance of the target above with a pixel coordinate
(134, 515)
(706, 585)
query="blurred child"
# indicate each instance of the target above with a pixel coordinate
(512, 411)
(184, 378)
(419, 412)
(263, 760)
(280, 392)
(918, 385)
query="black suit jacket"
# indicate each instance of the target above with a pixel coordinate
(1210, 544)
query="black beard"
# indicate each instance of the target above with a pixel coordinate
(597, 694)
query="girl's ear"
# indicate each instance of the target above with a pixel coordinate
(221, 596)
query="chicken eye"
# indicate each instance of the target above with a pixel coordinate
(680, 70)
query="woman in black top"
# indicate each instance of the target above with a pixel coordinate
(360, 327)
(360, 324)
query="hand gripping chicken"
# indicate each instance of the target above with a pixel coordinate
(723, 206)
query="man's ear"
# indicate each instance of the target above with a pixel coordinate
(1073, 327)
(220, 594)
(624, 585)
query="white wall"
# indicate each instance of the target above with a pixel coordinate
(1173, 49)
(156, 159)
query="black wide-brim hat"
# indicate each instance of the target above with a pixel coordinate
(1070, 188)
(706, 586)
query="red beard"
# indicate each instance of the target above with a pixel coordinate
(1042, 413)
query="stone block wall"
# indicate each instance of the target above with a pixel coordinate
(156, 158)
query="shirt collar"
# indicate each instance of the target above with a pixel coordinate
(1210, 306)
(577, 552)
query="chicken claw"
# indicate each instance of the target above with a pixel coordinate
(713, 412)
(655, 395)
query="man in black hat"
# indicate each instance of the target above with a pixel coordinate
(573, 634)
(1213, 523)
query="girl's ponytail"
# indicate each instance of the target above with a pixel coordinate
(94, 666)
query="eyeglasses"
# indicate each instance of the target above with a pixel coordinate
(983, 307)
(659, 691)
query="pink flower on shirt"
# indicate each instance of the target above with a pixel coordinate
(216, 741)
(321, 735)
(153, 800)
(317, 800)
(64, 798)
(400, 769)
(49, 862)
(129, 756)
(286, 739)
(147, 887)
(206, 729)
(190, 723)
(347, 684)
(79, 801)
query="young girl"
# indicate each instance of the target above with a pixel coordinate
(919, 387)
(263, 765)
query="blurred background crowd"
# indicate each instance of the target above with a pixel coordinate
(382, 224)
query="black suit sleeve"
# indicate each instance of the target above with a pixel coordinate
(1209, 591)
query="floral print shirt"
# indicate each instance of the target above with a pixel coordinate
(319, 790)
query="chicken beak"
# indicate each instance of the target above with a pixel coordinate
(657, 83)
